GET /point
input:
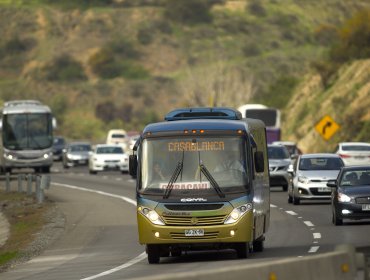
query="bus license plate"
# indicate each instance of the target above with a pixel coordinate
(194, 232)
(366, 207)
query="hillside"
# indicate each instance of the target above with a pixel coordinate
(122, 64)
(347, 102)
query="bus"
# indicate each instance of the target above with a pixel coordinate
(202, 183)
(270, 116)
(26, 128)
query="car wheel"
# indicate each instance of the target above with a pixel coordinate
(296, 200)
(154, 253)
(290, 199)
(93, 172)
(337, 221)
(285, 188)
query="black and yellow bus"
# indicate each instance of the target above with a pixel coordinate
(202, 183)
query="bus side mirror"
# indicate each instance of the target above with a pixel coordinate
(54, 123)
(132, 167)
(259, 161)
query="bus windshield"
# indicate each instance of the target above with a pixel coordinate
(200, 165)
(27, 131)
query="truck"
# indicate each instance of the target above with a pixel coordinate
(188, 198)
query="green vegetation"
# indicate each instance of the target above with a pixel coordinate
(26, 218)
(144, 57)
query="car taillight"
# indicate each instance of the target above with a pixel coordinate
(344, 156)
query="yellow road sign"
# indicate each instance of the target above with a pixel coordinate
(326, 127)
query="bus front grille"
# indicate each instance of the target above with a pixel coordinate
(194, 221)
(207, 235)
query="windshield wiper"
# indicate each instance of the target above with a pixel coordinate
(212, 180)
(173, 179)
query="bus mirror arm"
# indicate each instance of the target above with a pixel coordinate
(259, 161)
(133, 165)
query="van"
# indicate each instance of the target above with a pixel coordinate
(117, 137)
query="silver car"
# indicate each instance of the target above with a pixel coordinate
(279, 161)
(311, 172)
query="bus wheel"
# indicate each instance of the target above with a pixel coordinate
(175, 252)
(45, 169)
(242, 250)
(154, 253)
(258, 245)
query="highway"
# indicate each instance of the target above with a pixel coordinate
(100, 237)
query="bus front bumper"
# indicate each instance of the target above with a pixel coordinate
(241, 231)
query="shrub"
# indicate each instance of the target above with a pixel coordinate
(189, 11)
(256, 8)
(353, 39)
(64, 68)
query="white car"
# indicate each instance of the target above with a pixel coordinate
(354, 153)
(108, 157)
(311, 173)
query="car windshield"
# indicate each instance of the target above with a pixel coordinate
(355, 148)
(355, 178)
(278, 152)
(109, 150)
(199, 165)
(320, 163)
(80, 148)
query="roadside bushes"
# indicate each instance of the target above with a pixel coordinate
(352, 41)
(190, 11)
(63, 68)
(117, 59)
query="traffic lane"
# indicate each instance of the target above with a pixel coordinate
(319, 214)
(100, 233)
(110, 182)
(280, 243)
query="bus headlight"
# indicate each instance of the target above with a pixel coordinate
(151, 215)
(237, 213)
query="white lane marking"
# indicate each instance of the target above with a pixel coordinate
(139, 258)
(273, 206)
(291, 213)
(314, 249)
(309, 224)
(316, 235)
(58, 258)
(118, 179)
(129, 200)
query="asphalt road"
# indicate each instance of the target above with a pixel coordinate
(100, 239)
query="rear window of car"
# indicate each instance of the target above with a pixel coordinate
(355, 148)
(320, 164)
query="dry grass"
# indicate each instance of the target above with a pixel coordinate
(26, 219)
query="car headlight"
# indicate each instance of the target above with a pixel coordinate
(303, 179)
(237, 213)
(343, 197)
(151, 215)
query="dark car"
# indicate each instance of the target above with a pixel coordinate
(76, 153)
(351, 194)
(58, 146)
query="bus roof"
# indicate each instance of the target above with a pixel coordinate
(24, 106)
(207, 124)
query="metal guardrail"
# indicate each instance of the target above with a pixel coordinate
(30, 183)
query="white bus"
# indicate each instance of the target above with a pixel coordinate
(270, 116)
(26, 128)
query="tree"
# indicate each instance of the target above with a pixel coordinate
(218, 85)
